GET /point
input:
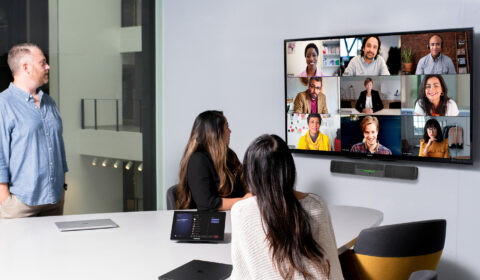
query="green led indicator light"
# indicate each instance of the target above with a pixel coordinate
(369, 171)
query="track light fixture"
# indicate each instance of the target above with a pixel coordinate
(129, 165)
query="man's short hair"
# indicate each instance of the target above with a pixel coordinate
(430, 38)
(364, 43)
(369, 120)
(311, 116)
(18, 52)
(317, 79)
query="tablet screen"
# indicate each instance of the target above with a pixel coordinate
(198, 226)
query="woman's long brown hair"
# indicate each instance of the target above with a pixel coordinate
(270, 175)
(208, 135)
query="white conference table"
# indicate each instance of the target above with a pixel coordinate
(33, 248)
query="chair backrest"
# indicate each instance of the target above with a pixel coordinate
(423, 275)
(171, 197)
(395, 105)
(345, 104)
(395, 251)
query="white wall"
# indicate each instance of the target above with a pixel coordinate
(228, 55)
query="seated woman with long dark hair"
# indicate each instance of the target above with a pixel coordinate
(280, 233)
(210, 172)
(433, 98)
(433, 144)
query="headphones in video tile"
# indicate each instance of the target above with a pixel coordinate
(429, 38)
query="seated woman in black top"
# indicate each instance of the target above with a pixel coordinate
(210, 172)
(369, 101)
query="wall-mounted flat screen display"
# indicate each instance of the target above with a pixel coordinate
(405, 95)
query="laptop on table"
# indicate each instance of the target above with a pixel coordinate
(86, 224)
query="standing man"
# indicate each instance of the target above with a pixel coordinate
(435, 62)
(311, 101)
(368, 63)
(32, 153)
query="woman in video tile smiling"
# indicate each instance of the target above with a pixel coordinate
(433, 99)
(311, 57)
(280, 233)
(210, 172)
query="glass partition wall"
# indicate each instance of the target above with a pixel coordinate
(102, 73)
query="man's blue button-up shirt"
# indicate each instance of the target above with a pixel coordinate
(32, 152)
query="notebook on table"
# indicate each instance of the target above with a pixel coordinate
(199, 270)
(198, 226)
(85, 224)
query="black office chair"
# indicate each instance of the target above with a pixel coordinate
(395, 105)
(171, 197)
(423, 275)
(395, 251)
(345, 104)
